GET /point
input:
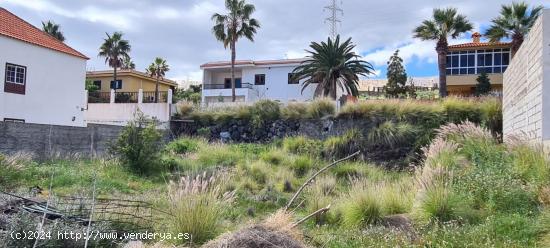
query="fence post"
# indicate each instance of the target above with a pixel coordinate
(112, 98)
(169, 97)
(140, 96)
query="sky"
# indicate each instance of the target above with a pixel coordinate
(180, 30)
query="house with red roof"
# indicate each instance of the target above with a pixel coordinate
(466, 61)
(43, 78)
(254, 80)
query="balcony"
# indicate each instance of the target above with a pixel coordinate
(129, 97)
(225, 86)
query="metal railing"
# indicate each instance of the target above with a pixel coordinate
(149, 96)
(126, 97)
(224, 86)
(99, 97)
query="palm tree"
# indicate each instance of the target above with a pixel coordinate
(128, 64)
(232, 26)
(445, 23)
(115, 50)
(158, 69)
(514, 22)
(331, 65)
(53, 29)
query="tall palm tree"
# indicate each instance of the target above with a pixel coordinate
(514, 22)
(114, 49)
(53, 29)
(158, 69)
(230, 27)
(332, 65)
(128, 64)
(445, 23)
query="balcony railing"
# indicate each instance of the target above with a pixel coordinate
(149, 96)
(99, 97)
(128, 97)
(225, 86)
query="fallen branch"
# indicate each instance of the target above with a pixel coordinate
(322, 210)
(315, 175)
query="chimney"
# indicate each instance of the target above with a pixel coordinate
(476, 37)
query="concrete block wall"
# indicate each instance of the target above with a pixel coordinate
(526, 86)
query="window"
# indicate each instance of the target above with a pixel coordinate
(16, 78)
(116, 85)
(475, 62)
(259, 79)
(291, 79)
(97, 83)
(227, 83)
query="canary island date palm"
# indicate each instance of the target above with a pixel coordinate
(445, 23)
(331, 65)
(53, 29)
(228, 28)
(514, 22)
(114, 49)
(158, 69)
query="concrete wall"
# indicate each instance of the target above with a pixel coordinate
(54, 85)
(44, 141)
(121, 113)
(527, 85)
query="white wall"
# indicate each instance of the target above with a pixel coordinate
(526, 86)
(54, 85)
(121, 113)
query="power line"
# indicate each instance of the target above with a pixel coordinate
(333, 20)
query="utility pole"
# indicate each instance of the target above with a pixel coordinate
(333, 19)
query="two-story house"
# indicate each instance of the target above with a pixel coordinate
(254, 80)
(43, 78)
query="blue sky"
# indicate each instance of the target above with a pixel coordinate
(180, 30)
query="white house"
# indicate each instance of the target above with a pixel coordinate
(255, 80)
(43, 78)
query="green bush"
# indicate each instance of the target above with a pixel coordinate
(364, 206)
(264, 111)
(337, 147)
(389, 134)
(321, 107)
(294, 111)
(459, 110)
(302, 165)
(273, 157)
(183, 146)
(302, 145)
(139, 144)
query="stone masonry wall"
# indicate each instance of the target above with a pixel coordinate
(526, 85)
(44, 141)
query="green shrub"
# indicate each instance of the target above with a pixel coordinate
(364, 206)
(273, 157)
(196, 206)
(459, 110)
(302, 145)
(321, 107)
(139, 144)
(183, 146)
(217, 155)
(491, 109)
(320, 195)
(531, 164)
(302, 165)
(396, 197)
(264, 111)
(341, 146)
(390, 135)
(294, 111)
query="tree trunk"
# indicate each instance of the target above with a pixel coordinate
(114, 78)
(157, 90)
(233, 55)
(442, 49)
(517, 40)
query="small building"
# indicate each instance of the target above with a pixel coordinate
(128, 81)
(254, 80)
(43, 77)
(466, 61)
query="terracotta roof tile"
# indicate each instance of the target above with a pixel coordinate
(480, 44)
(14, 27)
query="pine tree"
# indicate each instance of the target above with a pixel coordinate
(483, 86)
(397, 76)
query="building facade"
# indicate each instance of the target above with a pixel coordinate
(466, 61)
(526, 109)
(255, 80)
(43, 78)
(128, 81)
